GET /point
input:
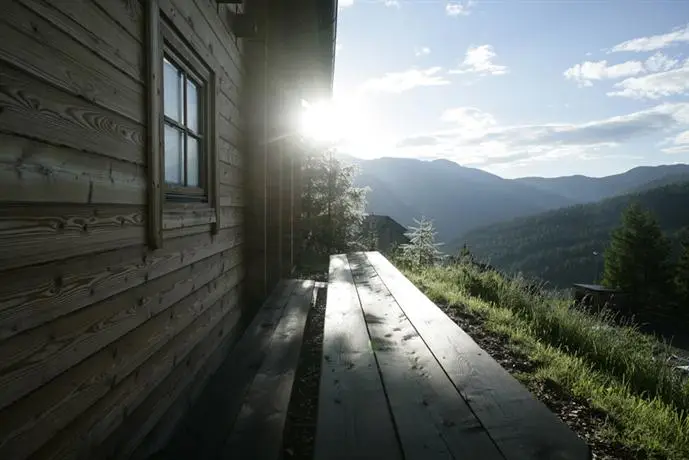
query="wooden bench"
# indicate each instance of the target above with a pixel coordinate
(399, 379)
(241, 412)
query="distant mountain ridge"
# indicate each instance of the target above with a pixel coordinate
(558, 246)
(455, 197)
(460, 199)
(583, 189)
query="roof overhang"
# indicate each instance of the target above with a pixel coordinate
(303, 34)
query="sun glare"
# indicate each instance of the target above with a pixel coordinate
(332, 122)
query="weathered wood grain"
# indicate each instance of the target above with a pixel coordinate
(231, 195)
(232, 216)
(34, 109)
(208, 10)
(188, 376)
(521, 426)
(229, 130)
(183, 15)
(229, 108)
(32, 171)
(174, 218)
(353, 412)
(41, 49)
(209, 422)
(31, 359)
(40, 415)
(229, 153)
(222, 338)
(128, 14)
(35, 234)
(91, 428)
(230, 174)
(32, 296)
(432, 419)
(257, 431)
(108, 40)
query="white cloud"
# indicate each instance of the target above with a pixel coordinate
(344, 3)
(470, 120)
(682, 138)
(660, 62)
(588, 71)
(478, 59)
(655, 85)
(456, 8)
(394, 3)
(681, 144)
(477, 138)
(397, 82)
(422, 51)
(654, 42)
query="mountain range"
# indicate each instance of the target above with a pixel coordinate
(460, 199)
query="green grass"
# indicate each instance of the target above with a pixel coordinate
(613, 367)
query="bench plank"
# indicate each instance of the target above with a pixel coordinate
(521, 426)
(209, 422)
(432, 419)
(354, 419)
(257, 432)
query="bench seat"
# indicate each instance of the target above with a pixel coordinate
(241, 413)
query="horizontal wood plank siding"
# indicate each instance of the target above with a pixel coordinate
(33, 108)
(110, 42)
(34, 171)
(101, 336)
(33, 234)
(39, 47)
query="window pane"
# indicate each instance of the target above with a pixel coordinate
(173, 155)
(172, 93)
(192, 106)
(192, 162)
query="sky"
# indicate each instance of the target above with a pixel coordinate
(515, 87)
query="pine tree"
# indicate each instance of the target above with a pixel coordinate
(332, 206)
(422, 249)
(465, 255)
(637, 260)
(682, 274)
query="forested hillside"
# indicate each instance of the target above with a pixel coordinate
(558, 246)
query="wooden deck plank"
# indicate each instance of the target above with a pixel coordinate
(521, 426)
(210, 421)
(257, 431)
(432, 419)
(354, 419)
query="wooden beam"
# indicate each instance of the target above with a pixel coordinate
(155, 128)
(257, 431)
(521, 426)
(208, 424)
(432, 419)
(354, 419)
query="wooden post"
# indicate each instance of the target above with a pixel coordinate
(255, 107)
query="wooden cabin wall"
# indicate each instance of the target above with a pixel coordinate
(272, 163)
(103, 341)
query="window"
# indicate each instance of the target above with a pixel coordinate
(185, 122)
(183, 182)
(183, 133)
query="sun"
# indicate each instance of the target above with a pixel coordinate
(333, 122)
(320, 121)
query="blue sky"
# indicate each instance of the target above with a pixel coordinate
(517, 88)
